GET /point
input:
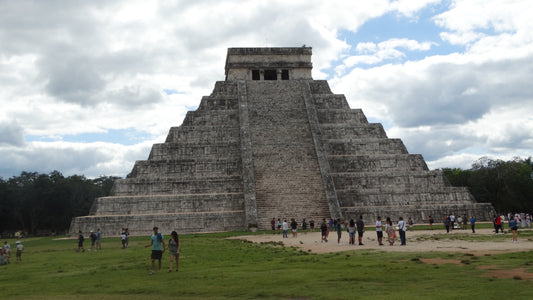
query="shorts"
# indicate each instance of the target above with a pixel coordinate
(80, 244)
(352, 234)
(273, 227)
(172, 253)
(514, 228)
(379, 233)
(19, 253)
(157, 254)
(360, 233)
(324, 233)
(293, 230)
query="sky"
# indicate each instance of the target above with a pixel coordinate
(87, 87)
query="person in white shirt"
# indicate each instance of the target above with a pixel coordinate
(379, 231)
(285, 228)
(402, 228)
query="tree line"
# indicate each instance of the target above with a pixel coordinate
(507, 185)
(46, 203)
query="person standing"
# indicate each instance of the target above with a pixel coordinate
(324, 231)
(273, 225)
(431, 221)
(80, 242)
(379, 231)
(473, 224)
(99, 239)
(391, 233)
(123, 239)
(498, 224)
(360, 230)
(157, 243)
(351, 232)
(513, 224)
(93, 240)
(304, 225)
(338, 228)
(174, 248)
(447, 223)
(312, 225)
(452, 221)
(294, 228)
(402, 228)
(3, 259)
(7, 251)
(411, 223)
(285, 228)
(20, 249)
(279, 226)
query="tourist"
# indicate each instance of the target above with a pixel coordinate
(339, 231)
(498, 224)
(157, 243)
(123, 239)
(452, 221)
(7, 251)
(127, 237)
(523, 220)
(410, 222)
(324, 231)
(285, 228)
(460, 222)
(465, 222)
(391, 233)
(473, 224)
(279, 226)
(304, 225)
(402, 228)
(351, 232)
(174, 250)
(379, 231)
(20, 249)
(294, 228)
(502, 218)
(93, 240)
(513, 224)
(447, 223)
(431, 221)
(273, 225)
(331, 224)
(360, 230)
(312, 225)
(81, 239)
(528, 221)
(99, 239)
(3, 258)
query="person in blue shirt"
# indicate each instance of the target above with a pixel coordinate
(158, 247)
(473, 224)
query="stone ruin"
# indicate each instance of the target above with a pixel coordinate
(271, 142)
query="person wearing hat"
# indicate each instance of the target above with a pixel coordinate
(158, 247)
(20, 248)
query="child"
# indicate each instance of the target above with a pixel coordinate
(80, 242)
(20, 248)
(174, 248)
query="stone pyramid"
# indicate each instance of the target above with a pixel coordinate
(271, 142)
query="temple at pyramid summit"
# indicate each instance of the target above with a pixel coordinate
(271, 142)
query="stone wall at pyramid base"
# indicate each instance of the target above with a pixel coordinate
(141, 225)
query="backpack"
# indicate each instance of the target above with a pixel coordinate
(323, 227)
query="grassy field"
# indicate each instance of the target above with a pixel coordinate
(215, 267)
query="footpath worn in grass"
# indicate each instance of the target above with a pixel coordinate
(214, 267)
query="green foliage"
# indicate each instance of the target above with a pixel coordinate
(212, 266)
(35, 202)
(507, 185)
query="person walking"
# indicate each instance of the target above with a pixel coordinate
(338, 228)
(174, 248)
(157, 243)
(391, 233)
(402, 228)
(379, 231)
(324, 231)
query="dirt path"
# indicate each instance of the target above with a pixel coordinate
(312, 242)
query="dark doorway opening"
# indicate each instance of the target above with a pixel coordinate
(271, 75)
(284, 74)
(255, 75)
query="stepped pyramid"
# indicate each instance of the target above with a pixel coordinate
(272, 142)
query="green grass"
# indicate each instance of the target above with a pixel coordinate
(215, 267)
